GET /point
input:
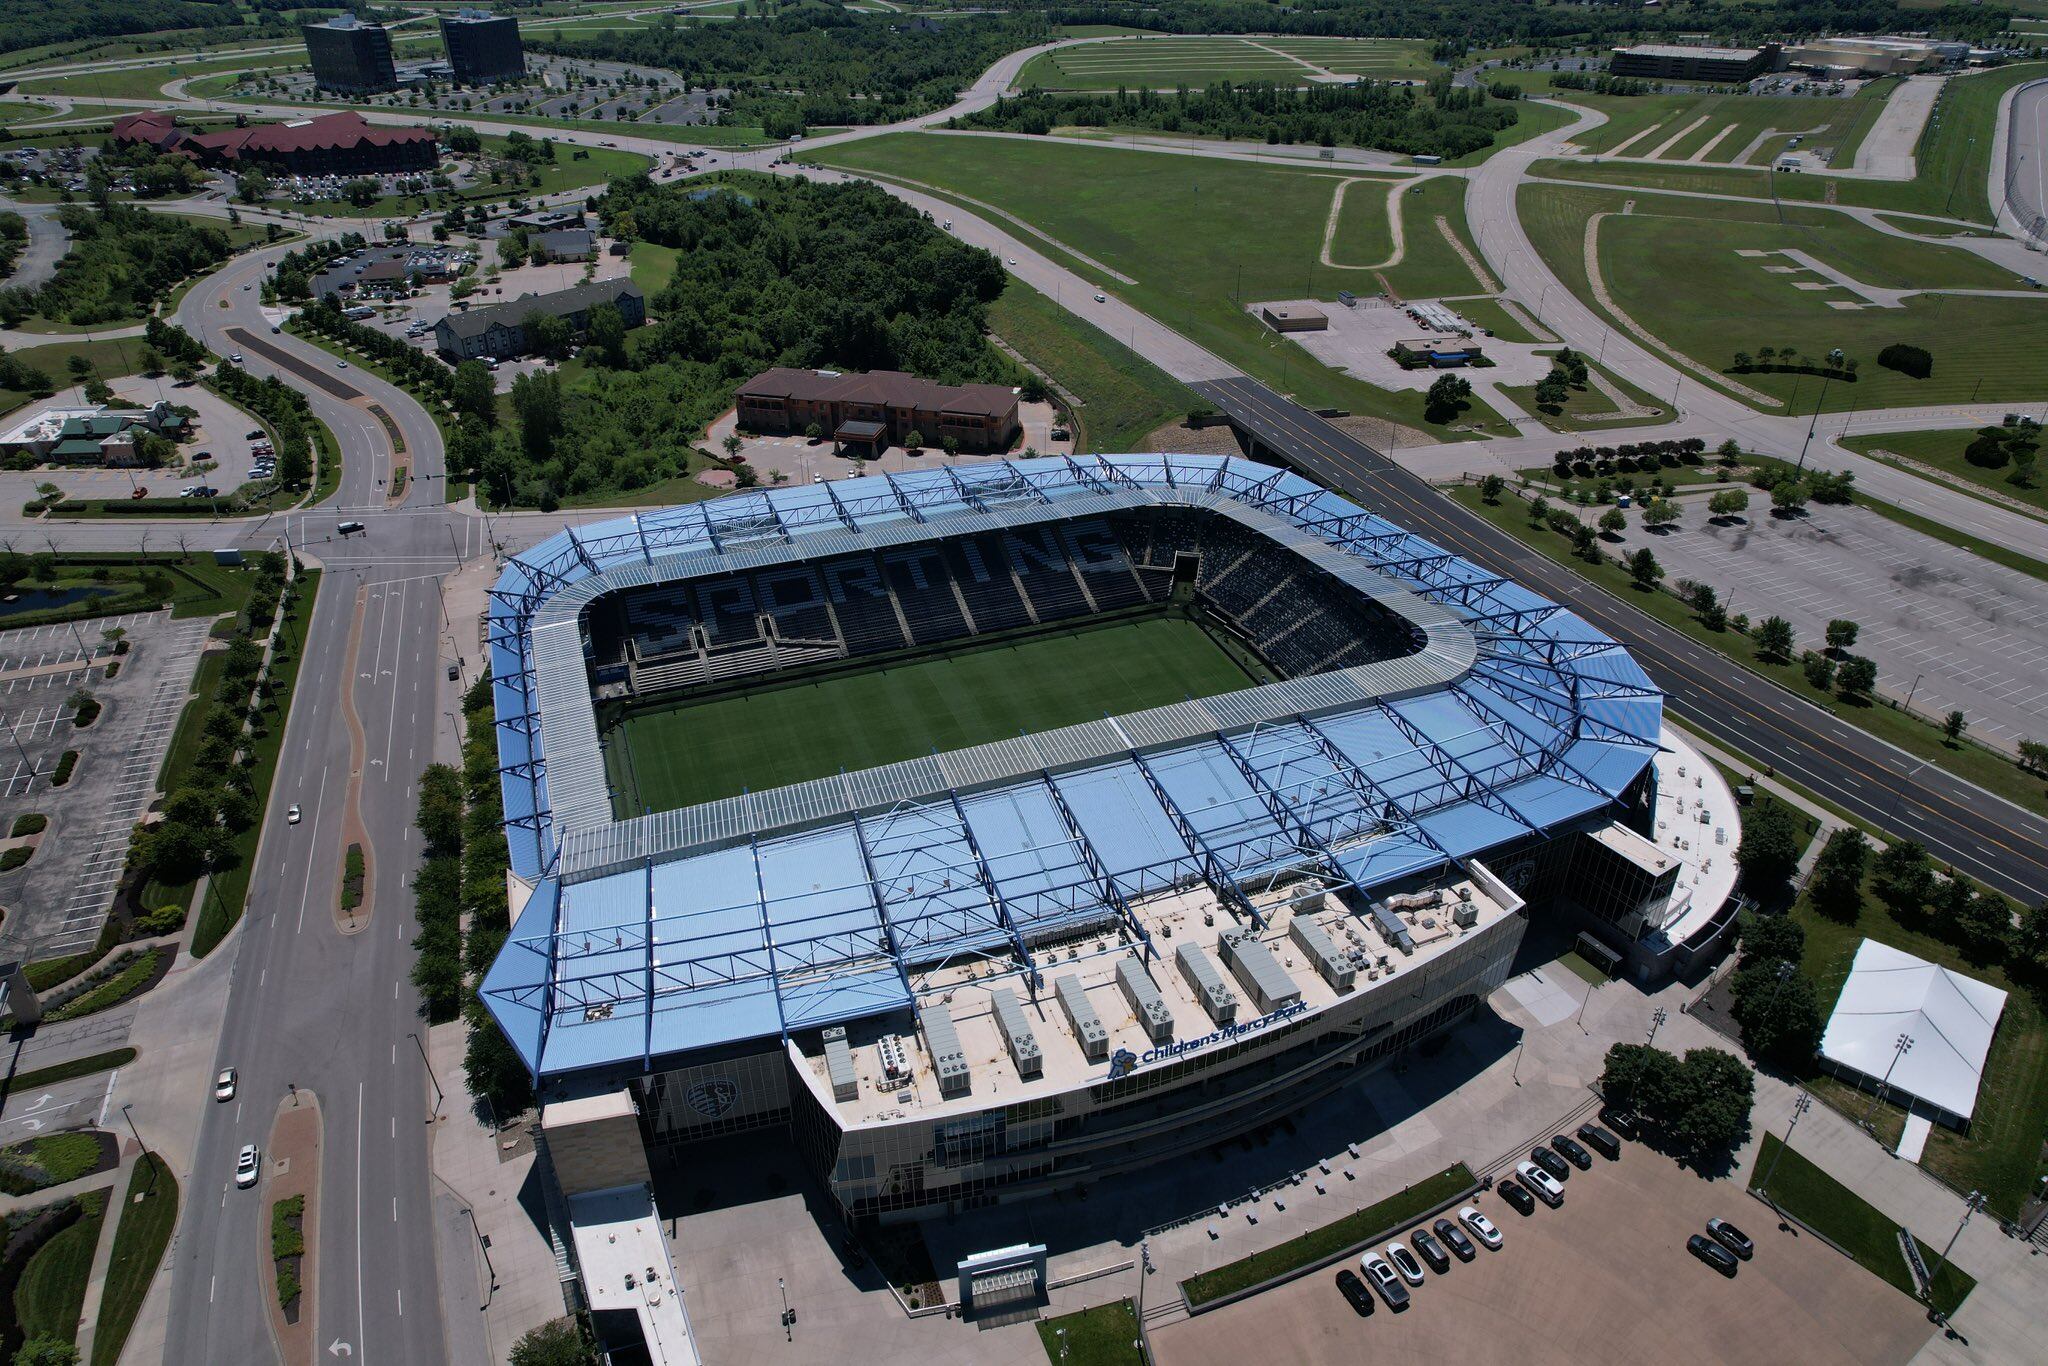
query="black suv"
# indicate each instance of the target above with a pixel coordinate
(1571, 1152)
(1454, 1238)
(1550, 1162)
(1431, 1251)
(1600, 1141)
(1355, 1293)
(1516, 1194)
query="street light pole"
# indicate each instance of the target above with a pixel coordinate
(1657, 1019)
(1799, 1107)
(483, 1245)
(430, 1073)
(1899, 1050)
(1972, 1202)
(146, 1156)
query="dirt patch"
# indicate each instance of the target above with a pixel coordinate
(1177, 438)
(292, 1168)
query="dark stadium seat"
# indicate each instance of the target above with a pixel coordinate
(984, 578)
(924, 587)
(1047, 575)
(860, 599)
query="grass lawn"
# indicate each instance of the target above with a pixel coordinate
(1106, 1335)
(1196, 238)
(1587, 409)
(2000, 1155)
(653, 266)
(147, 82)
(1729, 122)
(767, 736)
(51, 1292)
(1673, 266)
(1989, 770)
(1944, 451)
(1163, 62)
(1952, 159)
(1851, 1222)
(66, 1071)
(1488, 313)
(1430, 268)
(110, 359)
(1121, 397)
(147, 1216)
(1360, 1226)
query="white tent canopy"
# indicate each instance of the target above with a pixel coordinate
(1949, 1017)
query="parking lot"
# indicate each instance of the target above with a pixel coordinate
(1605, 1278)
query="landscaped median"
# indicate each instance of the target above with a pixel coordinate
(1850, 1223)
(1321, 1246)
(147, 1217)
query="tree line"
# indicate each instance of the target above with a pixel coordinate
(817, 66)
(122, 262)
(1447, 120)
(34, 23)
(840, 276)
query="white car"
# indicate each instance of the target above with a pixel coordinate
(1481, 1226)
(1102, 298)
(341, 365)
(246, 1167)
(1404, 1262)
(1541, 1182)
(245, 289)
(224, 1084)
(291, 817)
(236, 358)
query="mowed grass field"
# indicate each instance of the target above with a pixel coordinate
(1674, 266)
(1163, 63)
(701, 751)
(1120, 397)
(1723, 128)
(1197, 237)
(1943, 449)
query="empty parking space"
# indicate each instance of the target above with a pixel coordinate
(1604, 1279)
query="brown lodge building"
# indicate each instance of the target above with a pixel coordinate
(331, 144)
(880, 408)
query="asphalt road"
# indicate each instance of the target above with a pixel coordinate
(310, 1006)
(1991, 840)
(2026, 163)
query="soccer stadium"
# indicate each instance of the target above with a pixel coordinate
(996, 827)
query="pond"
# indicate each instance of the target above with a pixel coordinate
(20, 602)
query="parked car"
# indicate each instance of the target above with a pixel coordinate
(256, 435)
(1405, 1263)
(1600, 1141)
(224, 1084)
(1454, 1238)
(1431, 1251)
(247, 1169)
(1712, 1253)
(1541, 1183)
(1570, 1151)
(1732, 1238)
(1385, 1280)
(1551, 1163)
(1354, 1292)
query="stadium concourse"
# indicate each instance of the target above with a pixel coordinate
(1030, 962)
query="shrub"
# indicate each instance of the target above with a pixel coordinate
(1907, 360)
(33, 823)
(14, 858)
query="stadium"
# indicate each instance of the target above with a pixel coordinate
(996, 827)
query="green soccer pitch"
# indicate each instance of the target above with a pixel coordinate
(698, 751)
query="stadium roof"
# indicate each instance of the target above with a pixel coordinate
(755, 916)
(1949, 1017)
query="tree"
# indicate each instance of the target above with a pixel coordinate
(44, 1350)
(512, 250)
(1491, 486)
(475, 393)
(1855, 678)
(1643, 569)
(547, 334)
(1780, 1015)
(1836, 887)
(913, 440)
(1841, 634)
(1818, 669)
(814, 432)
(252, 187)
(1953, 725)
(1902, 878)
(1774, 638)
(1770, 845)
(732, 444)
(555, 1343)
(1638, 1079)
(1729, 503)
(440, 809)
(1729, 451)
(1764, 937)
(1660, 512)
(1714, 1096)
(1613, 522)
(361, 193)
(2034, 756)
(537, 399)
(1449, 394)
(608, 334)
(1788, 497)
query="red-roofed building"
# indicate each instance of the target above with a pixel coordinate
(331, 144)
